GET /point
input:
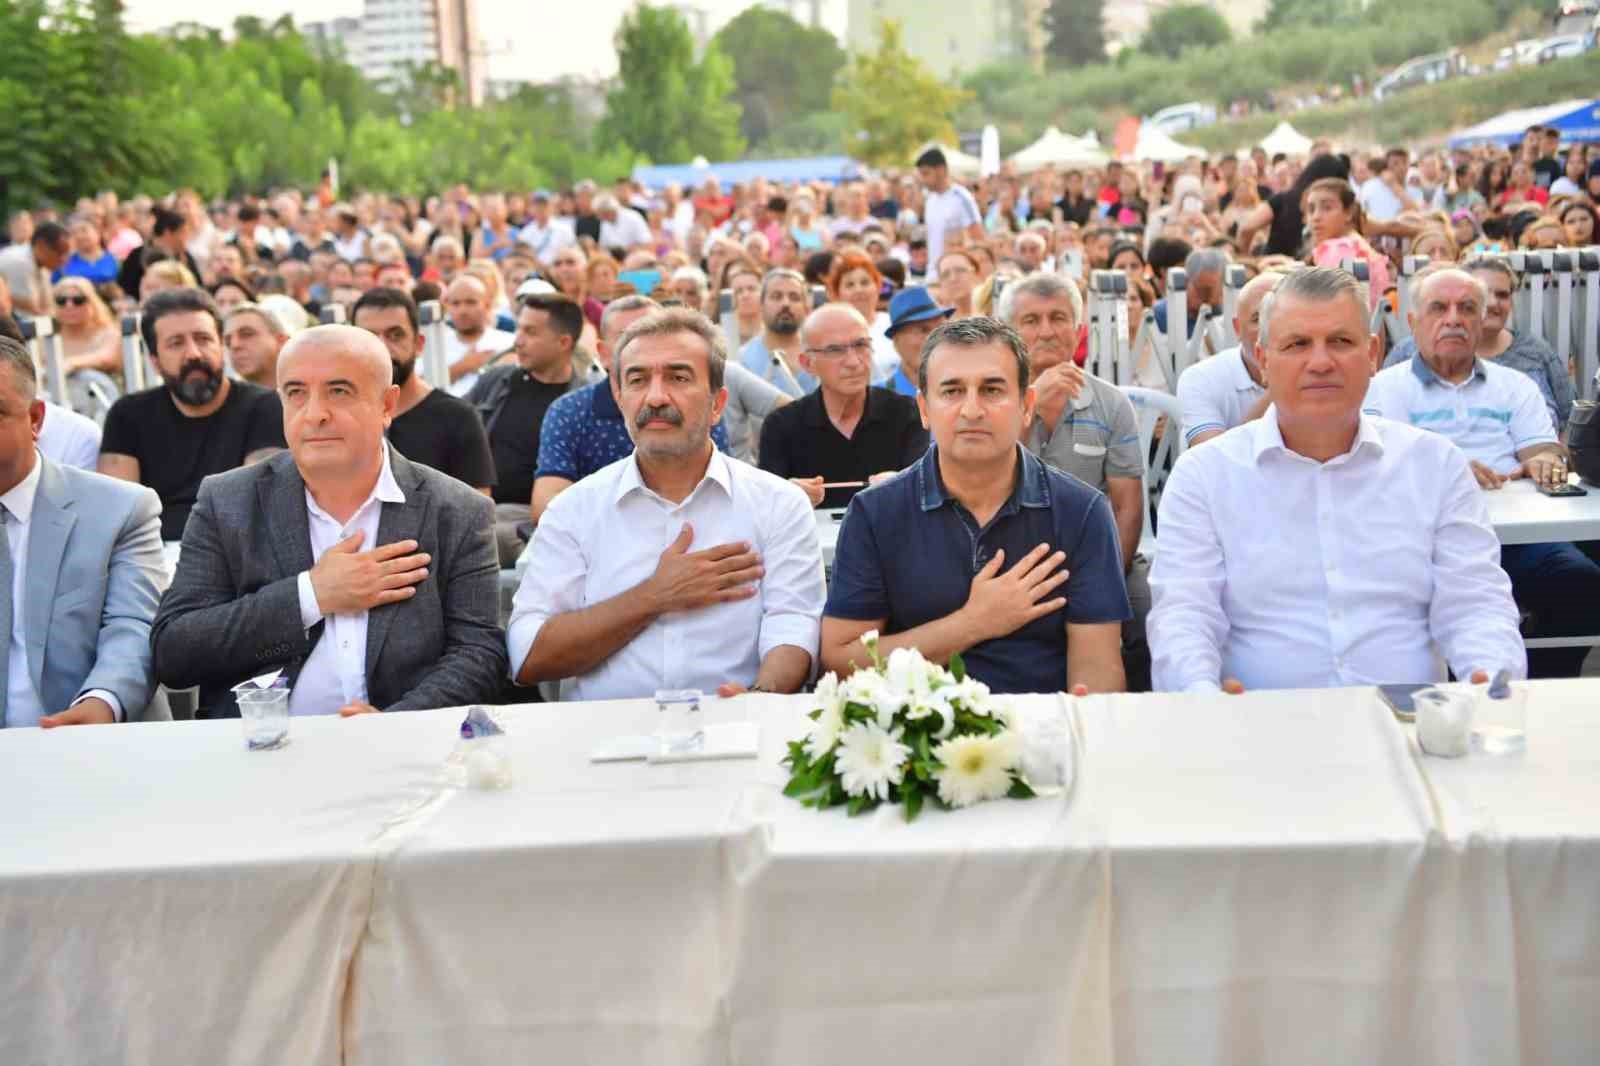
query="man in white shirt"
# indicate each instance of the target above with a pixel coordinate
(472, 342)
(544, 233)
(675, 567)
(69, 438)
(947, 208)
(1228, 389)
(1383, 196)
(1498, 417)
(621, 227)
(1318, 546)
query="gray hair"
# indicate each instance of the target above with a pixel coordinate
(1315, 285)
(1205, 261)
(1491, 263)
(448, 241)
(1420, 279)
(781, 274)
(975, 332)
(606, 202)
(694, 274)
(273, 322)
(19, 361)
(1045, 287)
(677, 320)
(622, 305)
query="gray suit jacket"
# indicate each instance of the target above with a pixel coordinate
(94, 575)
(233, 611)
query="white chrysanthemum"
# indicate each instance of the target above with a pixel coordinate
(868, 688)
(975, 768)
(825, 730)
(910, 673)
(870, 759)
(972, 694)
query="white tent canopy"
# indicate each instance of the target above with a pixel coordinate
(1155, 146)
(1059, 149)
(961, 164)
(1286, 139)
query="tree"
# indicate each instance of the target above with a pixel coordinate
(1281, 13)
(893, 102)
(782, 70)
(666, 105)
(1075, 33)
(1184, 26)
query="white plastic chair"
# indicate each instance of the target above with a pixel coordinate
(1152, 405)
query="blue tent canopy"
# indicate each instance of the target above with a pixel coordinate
(831, 168)
(1578, 120)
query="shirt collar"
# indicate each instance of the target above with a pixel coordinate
(19, 501)
(387, 490)
(1033, 488)
(1238, 372)
(1425, 373)
(1269, 436)
(815, 409)
(631, 480)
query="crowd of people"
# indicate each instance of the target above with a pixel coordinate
(654, 451)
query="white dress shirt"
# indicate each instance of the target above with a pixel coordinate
(627, 230)
(491, 340)
(605, 535)
(22, 702)
(1216, 393)
(335, 673)
(1284, 572)
(69, 438)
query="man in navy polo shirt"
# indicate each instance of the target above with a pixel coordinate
(980, 548)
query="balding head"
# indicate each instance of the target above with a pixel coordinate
(359, 347)
(1247, 312)
(467, 302)
(338, 395)
(837, 348)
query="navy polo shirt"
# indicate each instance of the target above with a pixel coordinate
(907, 552)
(584, 431)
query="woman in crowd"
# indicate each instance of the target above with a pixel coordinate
(569, 271)
(958, 277)
(90, 339)
(854, 279)
(89, 258)
(808, 233)
(1570, 183)
(1246, 198)
(494, 236)
(1437, 244)
(1521, 189)
(1126, 257)
(1578, 221)
(164, 274)
(1281, 214)
(1492, 182)
(1334, 218)
(229, 292)
(1464, 229)
(601, 274)
(1543, 232)
(744, 278)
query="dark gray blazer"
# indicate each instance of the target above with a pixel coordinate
(233, 610)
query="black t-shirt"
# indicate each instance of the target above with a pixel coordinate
(1285, 236)
(515, 440)
(587, 226)
(1546, 171)
(1077, 210)
(445, 433)
(800, 440)
(131, 274)
(176, 452)
(1227, 197)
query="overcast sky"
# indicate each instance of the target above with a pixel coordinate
(571, 38)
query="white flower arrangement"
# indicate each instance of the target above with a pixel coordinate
(906, 731)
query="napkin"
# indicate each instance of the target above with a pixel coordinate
(1047, 744)
(1444, 722)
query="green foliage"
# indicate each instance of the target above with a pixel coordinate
(783, 71)
(893, 102)
(1075, 33)
(1281, 13)
(1184, 26)
(666, 105)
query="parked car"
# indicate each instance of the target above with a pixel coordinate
(1180, 118)
(1562, 47)
(1423, 70)
(1520, 54)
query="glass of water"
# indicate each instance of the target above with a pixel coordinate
(678, 724)
(265, 713)
(1499, 726)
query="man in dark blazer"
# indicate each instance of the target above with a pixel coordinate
(371, 581)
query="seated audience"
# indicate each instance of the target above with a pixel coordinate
(252, 337)
(1317, 546)
(912, 316)
(980, 548)
(674, 567)
(1228, 389)
(369, 579)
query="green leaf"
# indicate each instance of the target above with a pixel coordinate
(1020, 790)
(858, 804)
(913, 803)
(958, 667)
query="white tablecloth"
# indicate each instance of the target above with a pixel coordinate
(1277, 877)
(1522, 516)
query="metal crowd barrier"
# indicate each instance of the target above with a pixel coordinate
(44, 344)
(135, 367)
(434, 369)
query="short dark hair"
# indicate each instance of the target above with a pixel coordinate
(9, 328)
(975, 332)
(174, 302)
(423, 291)
(933, 157)
(249, 213)
(14, 356)
(50, 234)
(565, 314)
(1166, 253)
(381, 299)
(167, 221)
(227, 281)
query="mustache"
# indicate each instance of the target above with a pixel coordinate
(666, 413)
(1453, 333)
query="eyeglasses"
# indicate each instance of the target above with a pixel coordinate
(72, 301)
(862, 347)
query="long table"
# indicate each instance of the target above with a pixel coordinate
(1521, 515)
(1273, 877)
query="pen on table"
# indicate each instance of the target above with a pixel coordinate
(844, 484)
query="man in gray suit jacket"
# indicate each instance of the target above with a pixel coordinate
(371, 580)
(80, 575)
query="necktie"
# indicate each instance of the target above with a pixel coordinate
(6, 620)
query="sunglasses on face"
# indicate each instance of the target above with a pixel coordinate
(72, 300)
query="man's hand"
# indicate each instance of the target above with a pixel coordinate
(1054, 389)
(687, 581)
(999, 604)
(355, 707)
(91, 711)
(348, 581)
(1487, 478)
(1545, 469)
(812, 486)
(881, 476)
(1233, 686)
